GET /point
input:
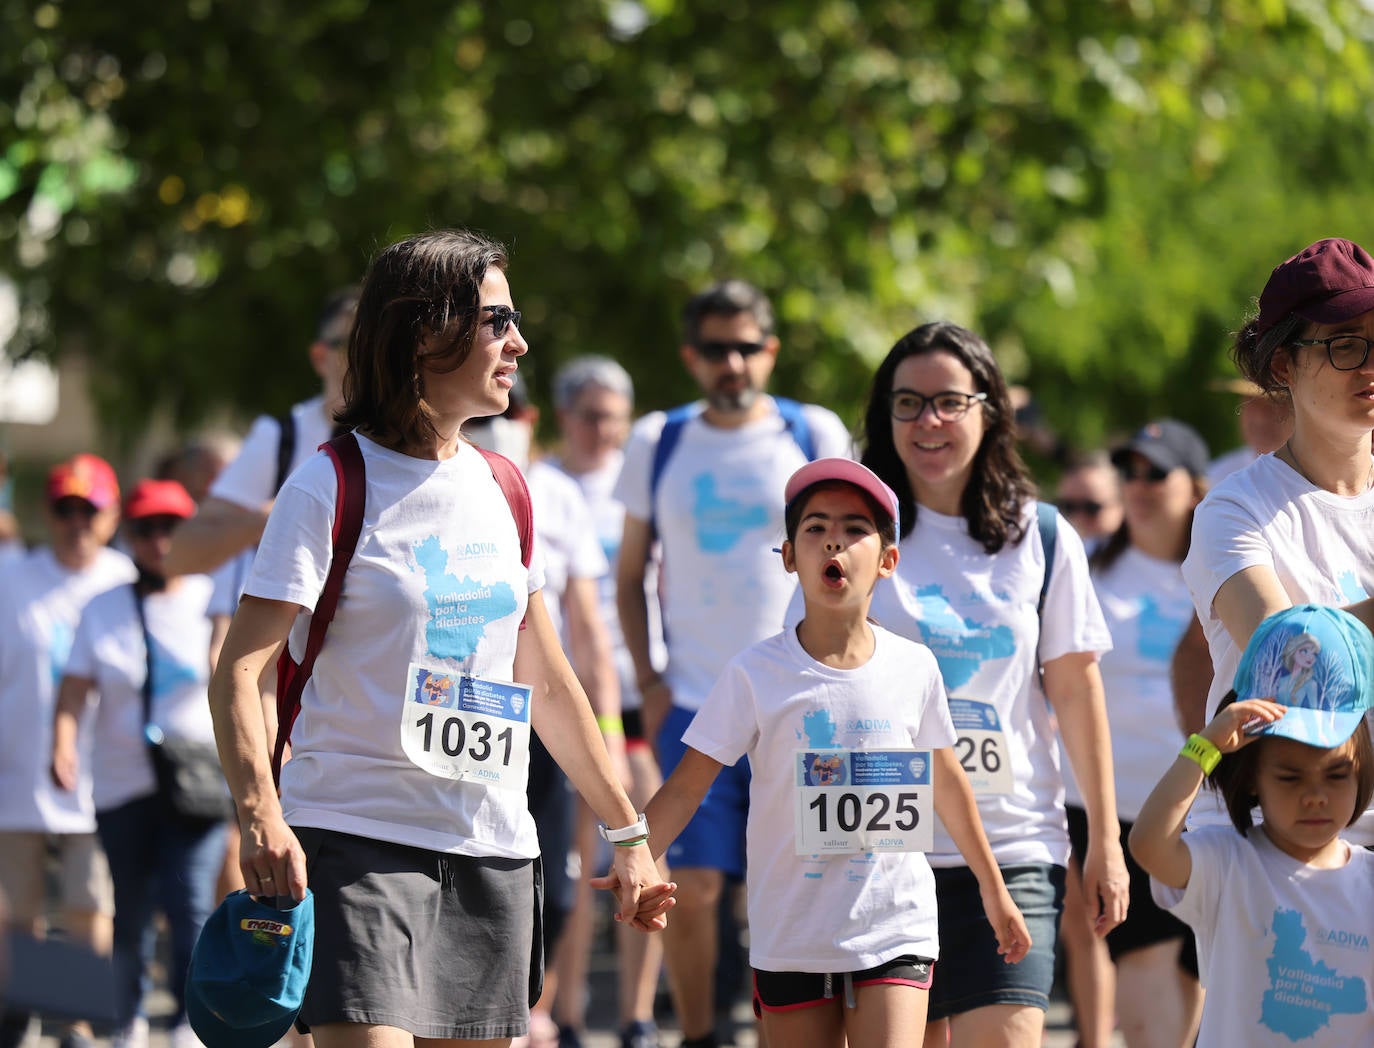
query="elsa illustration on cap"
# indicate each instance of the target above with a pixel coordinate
(1298, 686)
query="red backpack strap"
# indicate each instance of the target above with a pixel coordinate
(349, 502)
(517, 492)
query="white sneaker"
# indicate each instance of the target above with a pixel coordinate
(135, 1035)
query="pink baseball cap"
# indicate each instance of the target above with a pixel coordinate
(849, 472)
(84, 476)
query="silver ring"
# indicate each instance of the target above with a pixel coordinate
(264, 880)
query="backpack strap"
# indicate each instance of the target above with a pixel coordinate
(794, 418)
(286, 448)
(517, 492)
(1047, 523)
(349, 502)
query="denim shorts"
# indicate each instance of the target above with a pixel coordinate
(971, 974)
(714, 838)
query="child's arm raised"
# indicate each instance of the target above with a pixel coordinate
(1157, 836)
(958, 811)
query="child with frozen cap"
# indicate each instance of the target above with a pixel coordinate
(848, 733)
(1284, 913)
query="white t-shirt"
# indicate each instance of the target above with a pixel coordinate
(436, 581)
(719, 514)
(567, 535)
(608, 515)
(1316, 542)
(1224, 465)
(248, 480)
(109, 650)
(839, 913)
(230, 578)
(1283, 948)
(1147, 608)
(977, 614)
(40, 604)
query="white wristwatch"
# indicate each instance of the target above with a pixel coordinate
(637, 829)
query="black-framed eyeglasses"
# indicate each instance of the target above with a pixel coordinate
(1146, 471)
(1346, 352)
(153, 527)
(716, 350)
(950, 406)
(1087, 507)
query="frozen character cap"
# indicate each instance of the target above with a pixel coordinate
(1326, 283)
(848, 471)
(1316, 661)
(1168, 444)
(84, 476)
(249, 971)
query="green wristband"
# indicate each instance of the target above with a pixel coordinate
(633, 843)
(1202, 752)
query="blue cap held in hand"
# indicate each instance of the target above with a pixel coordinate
(1318, 662)
(249, 971)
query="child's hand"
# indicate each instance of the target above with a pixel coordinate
(652, 906)
(1232, 727)
(1013, 937)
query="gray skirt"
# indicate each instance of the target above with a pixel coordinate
(440, 945)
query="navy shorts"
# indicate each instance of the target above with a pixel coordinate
(787, 991)
(972, 973)
(714, 838)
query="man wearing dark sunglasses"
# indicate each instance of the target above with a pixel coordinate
(230, 520)
(42, 596)
(1089, 496)
(704, 480)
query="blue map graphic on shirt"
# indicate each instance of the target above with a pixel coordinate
(169, 674)
(961, 645)
(59, 649)
(720, 521)
(1304, 993)
(818, 729)
(1350, 586)
(1159, 633)
(459, 609)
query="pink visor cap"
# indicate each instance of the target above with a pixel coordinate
(846, 471)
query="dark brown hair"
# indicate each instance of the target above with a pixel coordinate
(1119, 540)
(999, 486)
(1234, 777)
(425, 285)
(882, 519)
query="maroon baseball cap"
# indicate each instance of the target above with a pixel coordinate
(1326, 282)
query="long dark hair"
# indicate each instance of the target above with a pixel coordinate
(425, 285)
(999, 486)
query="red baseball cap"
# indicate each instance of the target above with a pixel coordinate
(158, 498)
(849, 472)
(84, 476)
(1326, 282)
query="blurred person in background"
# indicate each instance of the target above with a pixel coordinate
(1138, 578)
(42, 596)
(153, 634)
(594, 400)
(11, 539)
(1089, 497)
(574, 564)
(1265, 423)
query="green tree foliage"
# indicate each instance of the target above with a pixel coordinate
(1098, 188)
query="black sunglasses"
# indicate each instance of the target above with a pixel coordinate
(73, 507)
(716, 350)
(153, 527)
(502, 317)
(1141, 471)
(1087, 507)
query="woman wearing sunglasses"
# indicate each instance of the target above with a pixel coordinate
(403, 805)
(141, 650)
(1138, 579)
(1295, 525)
(939, 431)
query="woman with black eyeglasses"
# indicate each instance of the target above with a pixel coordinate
(141, 650)
(939, 430)
(1296, 525)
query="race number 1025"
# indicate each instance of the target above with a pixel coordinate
(851, 801)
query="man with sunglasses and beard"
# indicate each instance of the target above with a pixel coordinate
(703, 481)
(42, 596)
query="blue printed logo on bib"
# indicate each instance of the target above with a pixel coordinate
(459, 609)
(960, 645)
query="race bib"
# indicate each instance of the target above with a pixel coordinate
(863, 801)
(981, 746)
(468, 728)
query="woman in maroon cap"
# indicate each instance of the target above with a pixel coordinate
(141, 649)
(1294, 526)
